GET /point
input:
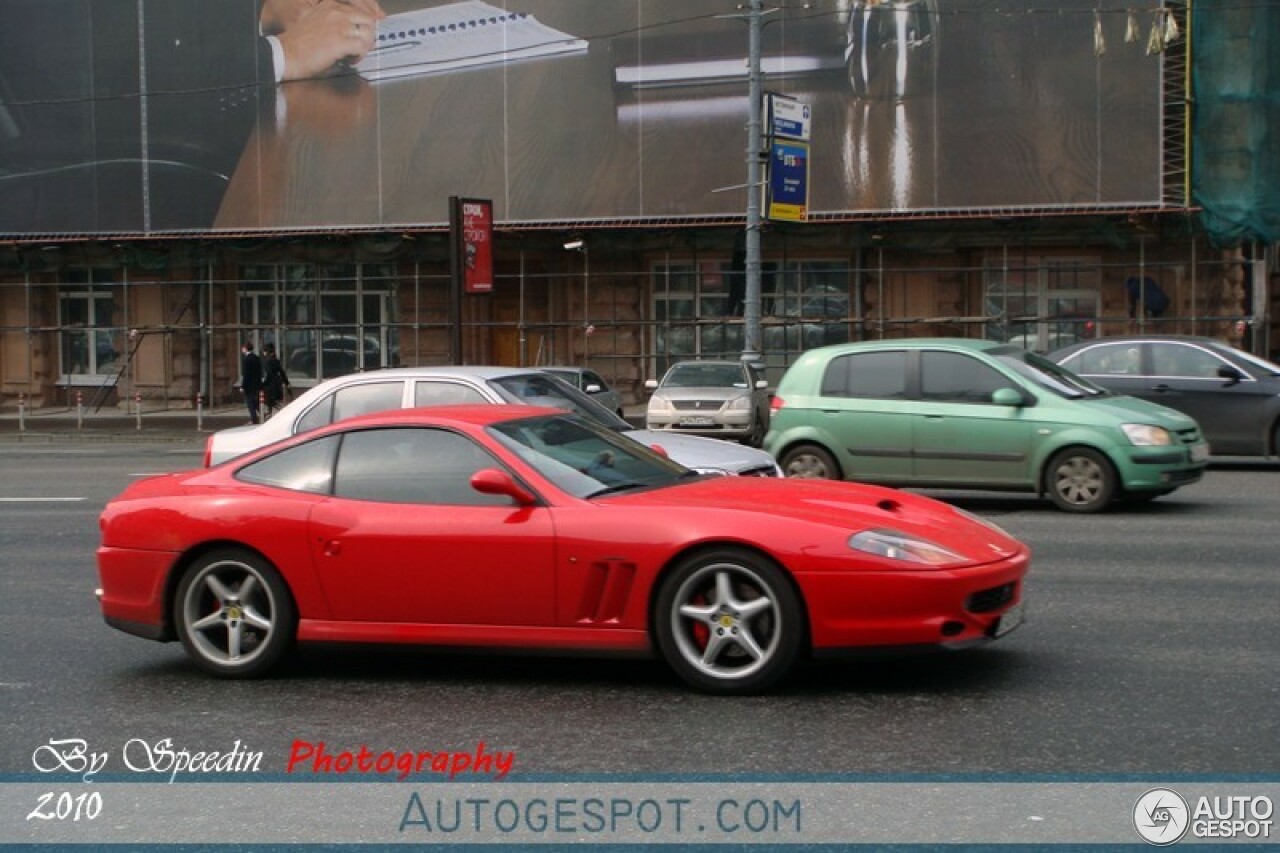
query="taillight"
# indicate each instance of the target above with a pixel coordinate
(208, 451)
(776, 403)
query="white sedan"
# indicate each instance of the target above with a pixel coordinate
(407, 387)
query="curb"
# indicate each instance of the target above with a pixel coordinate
(37, 437)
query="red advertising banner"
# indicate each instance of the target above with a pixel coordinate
(477, 245)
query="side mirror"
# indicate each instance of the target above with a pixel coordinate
(1231, 374)
(491, 481)
(593, 389)
(1008, 397)
(762, 384)
(651, 384)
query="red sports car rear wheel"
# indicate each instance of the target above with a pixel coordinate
(234, 614)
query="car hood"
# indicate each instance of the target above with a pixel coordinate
(847, 507)
(700, 453)
(707, 392)
(1132, 410)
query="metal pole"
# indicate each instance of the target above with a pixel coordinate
(751, 296)
(587, 328)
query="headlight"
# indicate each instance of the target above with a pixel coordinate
(660, 404)
(712, 472)
(977, 519)
(1144, 435)
(738, 404)
(900, 546)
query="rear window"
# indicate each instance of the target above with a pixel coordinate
(873, 375)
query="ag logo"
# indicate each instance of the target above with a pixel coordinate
(1161, 816)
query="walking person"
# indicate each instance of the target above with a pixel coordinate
(274, 380)
(251, 380)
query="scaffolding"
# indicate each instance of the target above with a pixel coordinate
(167, 336)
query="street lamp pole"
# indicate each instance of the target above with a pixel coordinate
(751, 297)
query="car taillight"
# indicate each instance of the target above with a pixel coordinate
(776, 403)
(208, 451)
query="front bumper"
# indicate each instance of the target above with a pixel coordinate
(1163, 468)
(877, 610)
(734, 425)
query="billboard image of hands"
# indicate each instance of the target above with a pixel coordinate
(160, 116)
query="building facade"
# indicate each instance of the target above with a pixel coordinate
(1038, 191)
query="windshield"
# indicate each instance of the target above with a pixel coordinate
(570, 376)
(1045, 374)
(692, 374)
(541, 389)
(585, 459)
(1267, 368)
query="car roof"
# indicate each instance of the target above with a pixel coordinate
(716, 361)
(1139, 339)
(972, 344)
(472, 415)
(472, 370)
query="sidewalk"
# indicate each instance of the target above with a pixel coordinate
(61, 425)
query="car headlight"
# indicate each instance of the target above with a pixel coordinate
(894, 545)
(977, 519)
(712, 472)
(660, 405)
(1145, 435)
(738, 404)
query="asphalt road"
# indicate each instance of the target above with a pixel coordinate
(1151, 647)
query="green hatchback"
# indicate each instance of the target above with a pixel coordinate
(960, 413)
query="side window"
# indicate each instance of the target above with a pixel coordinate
(370, 397)
(1107, 360)
(319, 415)
(412, 465)
(351, 401)
(303, 468)
(957, 378)
(1184, 361)
(872, 375)
(445, 394)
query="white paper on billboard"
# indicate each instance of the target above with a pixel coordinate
(459, 36)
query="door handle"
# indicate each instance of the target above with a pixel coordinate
(934, 417)
(1161, 388)
(333, 548)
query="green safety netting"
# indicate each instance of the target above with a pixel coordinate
(1236, 126)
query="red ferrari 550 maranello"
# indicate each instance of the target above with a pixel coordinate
(505, 527)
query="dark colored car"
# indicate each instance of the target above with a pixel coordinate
(1234, 396)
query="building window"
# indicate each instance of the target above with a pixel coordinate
(90, 346)
(698, 310)
(1042, 304)
(325, 321)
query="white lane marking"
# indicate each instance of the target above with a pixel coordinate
(39, 500)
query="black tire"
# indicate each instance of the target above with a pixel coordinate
(728, 622)
(756, 438)
(810, 461)
(234, 614)
(1080, 479)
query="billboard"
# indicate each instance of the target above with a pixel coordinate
(161, 116)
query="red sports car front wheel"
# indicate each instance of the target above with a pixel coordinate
(729, 621)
